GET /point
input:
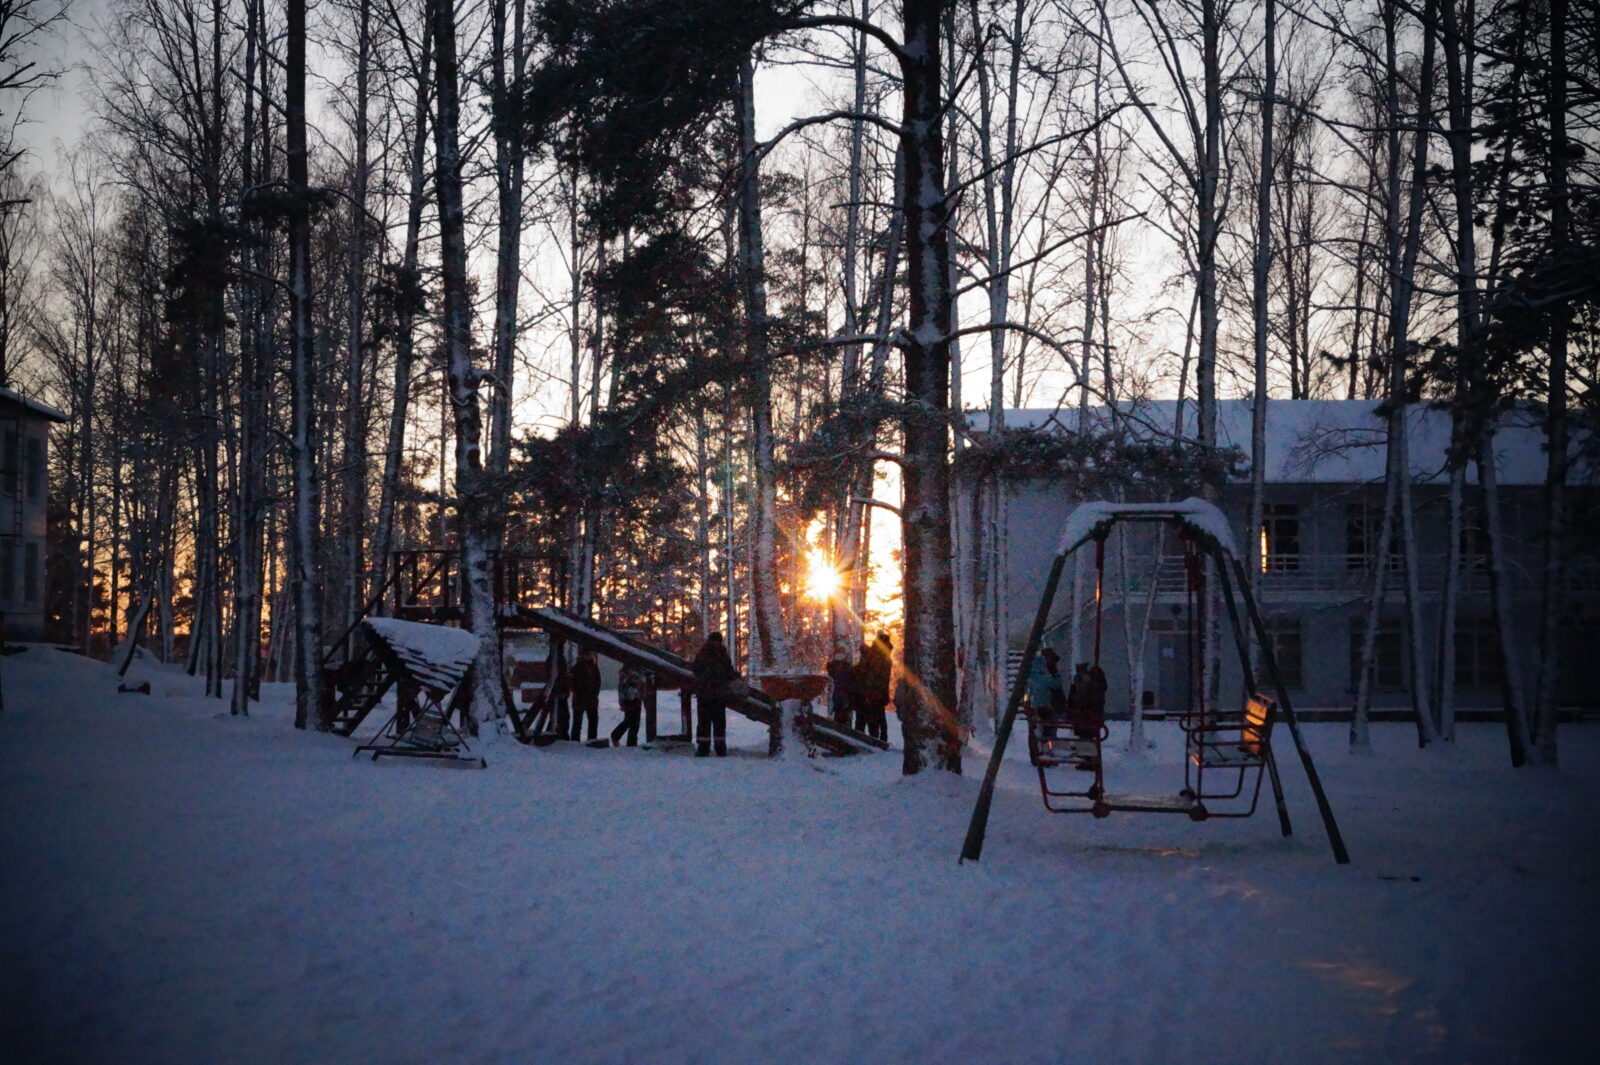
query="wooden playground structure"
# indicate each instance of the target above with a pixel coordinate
(424, 586)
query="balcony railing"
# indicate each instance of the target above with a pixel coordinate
(1306, 574)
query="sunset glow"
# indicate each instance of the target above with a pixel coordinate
(823, 581)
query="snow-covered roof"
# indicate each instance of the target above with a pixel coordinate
(1197, 512)
(1329, 441)
(44, 410)
(437, 655)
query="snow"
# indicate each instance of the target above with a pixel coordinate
(1327, 441)
(613, 646)
(183, 886)
(1197, 512)
(43, 409)
(438, 656)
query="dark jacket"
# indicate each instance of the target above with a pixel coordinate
(586, 679)
(631, 685)
(843, 675)
(876, 667)
(713, 669)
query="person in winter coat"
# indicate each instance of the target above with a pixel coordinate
(858, 686)
(585, 695)
(713, 669)
(875, 686)
(630, 695)
(842, 672)
(1087, 700)
(1044, 689)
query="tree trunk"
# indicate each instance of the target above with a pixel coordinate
(509, 158)
(302, 372)
(1403, 251)
(1208, 231)
(1547, 690)
(476, 509)
(254, 372)
(931, 735)
(409, 297)
(353, 507)
(768, 647)
(1518, 736)
(1263, 263)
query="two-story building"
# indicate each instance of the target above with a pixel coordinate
(1318, 546)
(24, 485)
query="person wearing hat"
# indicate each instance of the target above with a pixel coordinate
(1044, 689)
(842, 672)
(878, 667)
(713, 669)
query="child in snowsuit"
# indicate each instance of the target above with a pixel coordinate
(630, 695)
(1044, 689)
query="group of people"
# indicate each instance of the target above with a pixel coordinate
(861, 688)
(1082, 703)
(860, 694)
(632, 685)
(713, 687)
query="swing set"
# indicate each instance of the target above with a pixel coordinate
(1228, 752)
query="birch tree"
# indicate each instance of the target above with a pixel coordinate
(476, 517)
(309, 701)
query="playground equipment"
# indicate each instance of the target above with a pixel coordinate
(672, 671)
(1233, 745)
(427, 663)
(424, 586)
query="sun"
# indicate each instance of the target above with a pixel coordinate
(823, 582)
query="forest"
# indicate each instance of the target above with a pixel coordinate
(711, 310)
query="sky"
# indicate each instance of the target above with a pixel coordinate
(62, 114)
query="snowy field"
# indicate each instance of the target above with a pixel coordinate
(184, 888)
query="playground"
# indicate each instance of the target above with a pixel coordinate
(186, 886)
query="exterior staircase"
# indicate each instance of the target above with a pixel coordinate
(357, 685)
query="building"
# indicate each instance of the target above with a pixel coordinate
(24, 487)
(1319, 541)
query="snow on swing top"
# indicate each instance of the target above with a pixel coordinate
(1196, 512)
(436, 655)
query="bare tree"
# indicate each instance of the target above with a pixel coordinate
(309, 699)
(476, 510)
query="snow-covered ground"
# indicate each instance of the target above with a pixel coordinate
(180, 887)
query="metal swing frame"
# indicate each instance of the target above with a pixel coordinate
(1211, 743)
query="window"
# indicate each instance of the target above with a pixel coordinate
(9, 463)
(1280, 537)
(1474, 543)
(1477, 654)
(30, 573)
(35, 467)
(8, 569)
(1363, 529)
(1288, 650)
(1388, 658)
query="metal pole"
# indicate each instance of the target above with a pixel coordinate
(1243, 646)
(1270, 660)
(973, 847)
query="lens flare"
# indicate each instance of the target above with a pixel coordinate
(822, 580)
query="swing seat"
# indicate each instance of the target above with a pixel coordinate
(1057, 740)
(1244, 744)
